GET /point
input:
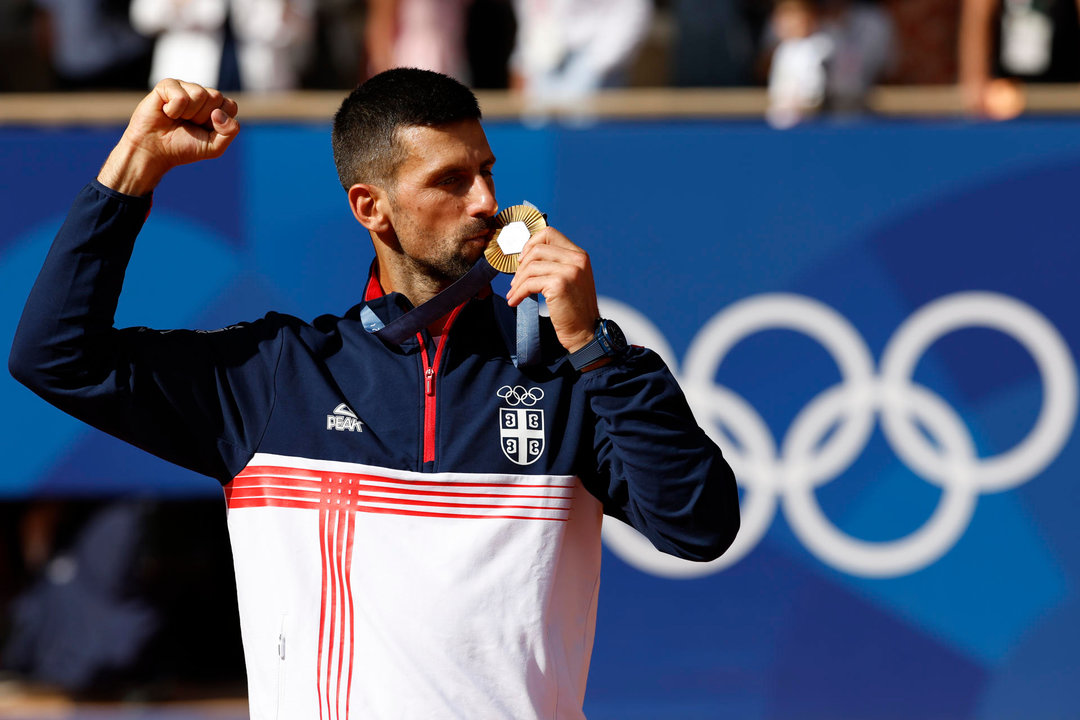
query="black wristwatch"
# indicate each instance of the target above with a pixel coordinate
(608, 341)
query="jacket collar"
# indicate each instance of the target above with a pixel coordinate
(390, 306)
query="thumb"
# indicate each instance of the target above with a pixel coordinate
(225, 128)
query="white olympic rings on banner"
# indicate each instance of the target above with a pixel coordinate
(831, 431)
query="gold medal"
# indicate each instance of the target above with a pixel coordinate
(513, 226)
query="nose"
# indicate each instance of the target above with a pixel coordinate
(482, 197)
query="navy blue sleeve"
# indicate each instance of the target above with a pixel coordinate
(198, 399)
(656, 469)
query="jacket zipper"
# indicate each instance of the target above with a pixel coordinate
(281, 666)
(431, 372)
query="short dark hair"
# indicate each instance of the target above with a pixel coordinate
(366, 147)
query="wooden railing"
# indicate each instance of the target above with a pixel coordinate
(319, 106)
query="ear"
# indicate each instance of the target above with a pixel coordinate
(368, 203)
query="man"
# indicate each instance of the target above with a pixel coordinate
(415, 525)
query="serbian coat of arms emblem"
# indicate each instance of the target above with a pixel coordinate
(521, 429)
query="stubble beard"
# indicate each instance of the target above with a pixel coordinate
(457, 259)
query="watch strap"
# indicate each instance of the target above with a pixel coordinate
(583, 357)
(600, 346)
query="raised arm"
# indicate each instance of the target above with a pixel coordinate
(197, 399)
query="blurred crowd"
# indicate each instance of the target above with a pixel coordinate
(813, 55)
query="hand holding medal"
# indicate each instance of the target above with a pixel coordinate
(513, 228)
(547, 263)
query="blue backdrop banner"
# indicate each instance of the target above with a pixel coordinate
(876, 321)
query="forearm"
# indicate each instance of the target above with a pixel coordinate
(130, 170)
(661, 472)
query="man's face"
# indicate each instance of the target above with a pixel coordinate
(443, 198)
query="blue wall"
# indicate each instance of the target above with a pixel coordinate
(876, 321)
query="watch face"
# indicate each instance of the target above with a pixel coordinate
(614, 335)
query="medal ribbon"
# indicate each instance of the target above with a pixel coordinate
(465, 287)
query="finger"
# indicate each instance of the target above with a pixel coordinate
(552, 258)
(230, 107)
(215, 101)
(551, 279)
(525, 288)
(548, 238)
(550, 261)
(198, 97)
(181, 100)
(223, 123)
(225, 129)
(551, 253)
(572, 306)
(173, 97)
(555, 277)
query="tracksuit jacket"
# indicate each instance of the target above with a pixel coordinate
(416, 529)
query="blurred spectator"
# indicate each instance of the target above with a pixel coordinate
(714, 44)
(252, 45)
(567, 49)
(797, 75)
(828, 56)
(490, 34)
(24, 63)
(114, 598)
(426, 34)
(1023, 40)
(926, 32)
(337, 47)
(189, 38)
(92, 45)
(864, 52)
(83, 622)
